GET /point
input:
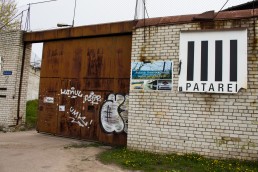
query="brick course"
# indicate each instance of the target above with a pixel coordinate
(214, 125)
(11, 51)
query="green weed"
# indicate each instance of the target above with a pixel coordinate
(145, 161)
(31, 113)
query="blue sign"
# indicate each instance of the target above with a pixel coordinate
(155, 70)
(156, 75)
(7, 72)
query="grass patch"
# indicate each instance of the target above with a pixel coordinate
(31, 113)
(83, 145)
(145, 161)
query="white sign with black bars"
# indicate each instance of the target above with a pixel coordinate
(213, 61)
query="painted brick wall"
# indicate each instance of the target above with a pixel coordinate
(215, 125)
(11, 51)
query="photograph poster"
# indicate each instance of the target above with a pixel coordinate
(152, 76)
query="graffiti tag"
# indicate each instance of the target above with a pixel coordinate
(92, 98)
(73, 93)
(78, 119)
(76, 115)
(123, 111)
(114, 113)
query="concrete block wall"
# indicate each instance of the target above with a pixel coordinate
(11, 51)
(33, 83)
(214, 125)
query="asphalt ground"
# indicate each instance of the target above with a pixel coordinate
(29, 151)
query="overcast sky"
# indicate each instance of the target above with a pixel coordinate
(46, 15)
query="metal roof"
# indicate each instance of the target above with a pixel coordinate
(210, 15)
(127, 26)
(81, 31)
(248, 5)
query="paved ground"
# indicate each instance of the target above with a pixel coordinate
(33, 152)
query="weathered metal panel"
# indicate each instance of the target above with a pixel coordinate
(52, 58)
(224, 15)
(65, 125)
(82, 73)
(79, 32)
(48, 105)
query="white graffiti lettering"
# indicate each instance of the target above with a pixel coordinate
(123, 110)
(92, 98)
(78, 119)
(114, 113)
(73, 93)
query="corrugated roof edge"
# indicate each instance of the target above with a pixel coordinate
(183, 19)
(247, 5)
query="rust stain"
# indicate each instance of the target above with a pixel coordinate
(160, 115)
(207, 25)
(255, 37)
(81, 31)
(76, 61)
(99, 65)
(225, 15)
(95, 58)
(233, 139)
(142, 54)
(236, 23)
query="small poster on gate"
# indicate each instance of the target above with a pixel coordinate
(61, 108)
(48, 100)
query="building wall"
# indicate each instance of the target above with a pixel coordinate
(33, 84)
(215, 125)
(11, 51)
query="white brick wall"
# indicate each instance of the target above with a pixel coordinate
(11, 51)
(33, 83)
(215, 125)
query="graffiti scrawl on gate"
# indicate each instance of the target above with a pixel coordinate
(92, 98)
(73, 93)
(114, 113)
(78, 119)
(75, 115)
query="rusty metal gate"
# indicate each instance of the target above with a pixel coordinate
(84, 85)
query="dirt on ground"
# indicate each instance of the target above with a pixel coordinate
(29, 151)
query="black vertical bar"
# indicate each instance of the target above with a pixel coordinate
(190, 61)
(204, 61)
(218, 60)
(233, 60)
